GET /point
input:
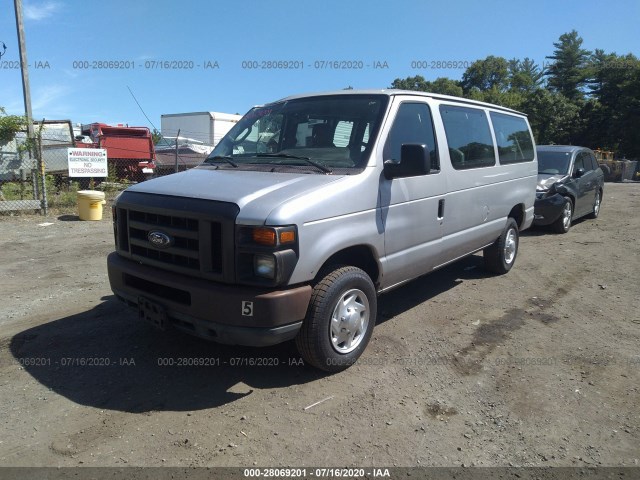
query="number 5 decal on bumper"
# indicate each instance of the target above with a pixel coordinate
(247, 309)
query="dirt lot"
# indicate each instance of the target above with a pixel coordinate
(538, 367)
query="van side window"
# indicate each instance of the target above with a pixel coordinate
(412, 125)
(513, 138)
(469, 137)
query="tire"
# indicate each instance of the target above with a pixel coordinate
(500, 257)
(597, 202)
(339, 321)
(563, 223)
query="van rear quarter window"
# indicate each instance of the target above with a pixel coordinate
(468, 136)
(514, 140)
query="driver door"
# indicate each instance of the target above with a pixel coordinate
(412, 208)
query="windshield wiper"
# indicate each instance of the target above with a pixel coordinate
(318, 165)
(224, 158)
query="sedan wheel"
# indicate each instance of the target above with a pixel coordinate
(563, 223)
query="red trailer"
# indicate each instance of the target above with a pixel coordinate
(130, 150)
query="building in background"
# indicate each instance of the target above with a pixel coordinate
(206, 127)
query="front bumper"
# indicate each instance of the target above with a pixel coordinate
(548, 209)
(231, 314)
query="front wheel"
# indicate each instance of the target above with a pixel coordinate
(339, 321)
(500, 257)
(563, 223)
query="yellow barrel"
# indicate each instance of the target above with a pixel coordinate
(90, 204)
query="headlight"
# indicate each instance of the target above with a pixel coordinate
(264, 266)
(543, 191)
(266, 255)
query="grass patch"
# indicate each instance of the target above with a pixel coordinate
(62, 195)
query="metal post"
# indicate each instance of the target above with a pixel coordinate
(23, 180)
(41, 165)
(34, 183)
(177, 140)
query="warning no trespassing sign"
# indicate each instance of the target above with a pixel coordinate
(87, 162)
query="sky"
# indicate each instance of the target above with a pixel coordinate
(212, 49)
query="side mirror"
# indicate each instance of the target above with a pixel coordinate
(578, 173)
(414, 161)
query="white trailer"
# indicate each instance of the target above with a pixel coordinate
(207, 127)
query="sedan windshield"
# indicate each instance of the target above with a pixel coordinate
(554, 163)
(319, 133)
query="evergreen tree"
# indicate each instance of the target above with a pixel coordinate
(525, 75)
(568, 72)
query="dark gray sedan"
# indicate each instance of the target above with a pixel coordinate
(570, 186)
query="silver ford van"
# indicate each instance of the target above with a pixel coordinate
(312, 206)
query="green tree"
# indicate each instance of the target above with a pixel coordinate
(554, 119)
(509, 98)
(156, 136)
(487, 74)
(614, 116)
(525, 75)
(9, 126)
(441, 85)
(446, 86)
(568, 72)
(417, 83)
(630, 118)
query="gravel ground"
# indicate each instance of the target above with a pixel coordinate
(540, 367)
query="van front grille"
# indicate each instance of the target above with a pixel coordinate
(190, 240)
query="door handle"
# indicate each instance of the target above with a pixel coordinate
(441, 209)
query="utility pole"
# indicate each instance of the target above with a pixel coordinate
(26, 93)
(24, 67)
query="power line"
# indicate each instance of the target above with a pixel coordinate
(140, 107)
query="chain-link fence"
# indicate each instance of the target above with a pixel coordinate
(22, 176)
(35, 175)
(34, 172)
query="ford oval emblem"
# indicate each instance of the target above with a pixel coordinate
(159, 239)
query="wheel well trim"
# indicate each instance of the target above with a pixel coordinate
(362, 256)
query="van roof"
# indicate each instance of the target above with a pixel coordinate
(394, 92)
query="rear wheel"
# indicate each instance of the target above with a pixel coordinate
(340, 319)
(563, 223)
(596, 205)
(500, 257)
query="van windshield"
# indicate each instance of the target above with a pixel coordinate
(322, 133)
